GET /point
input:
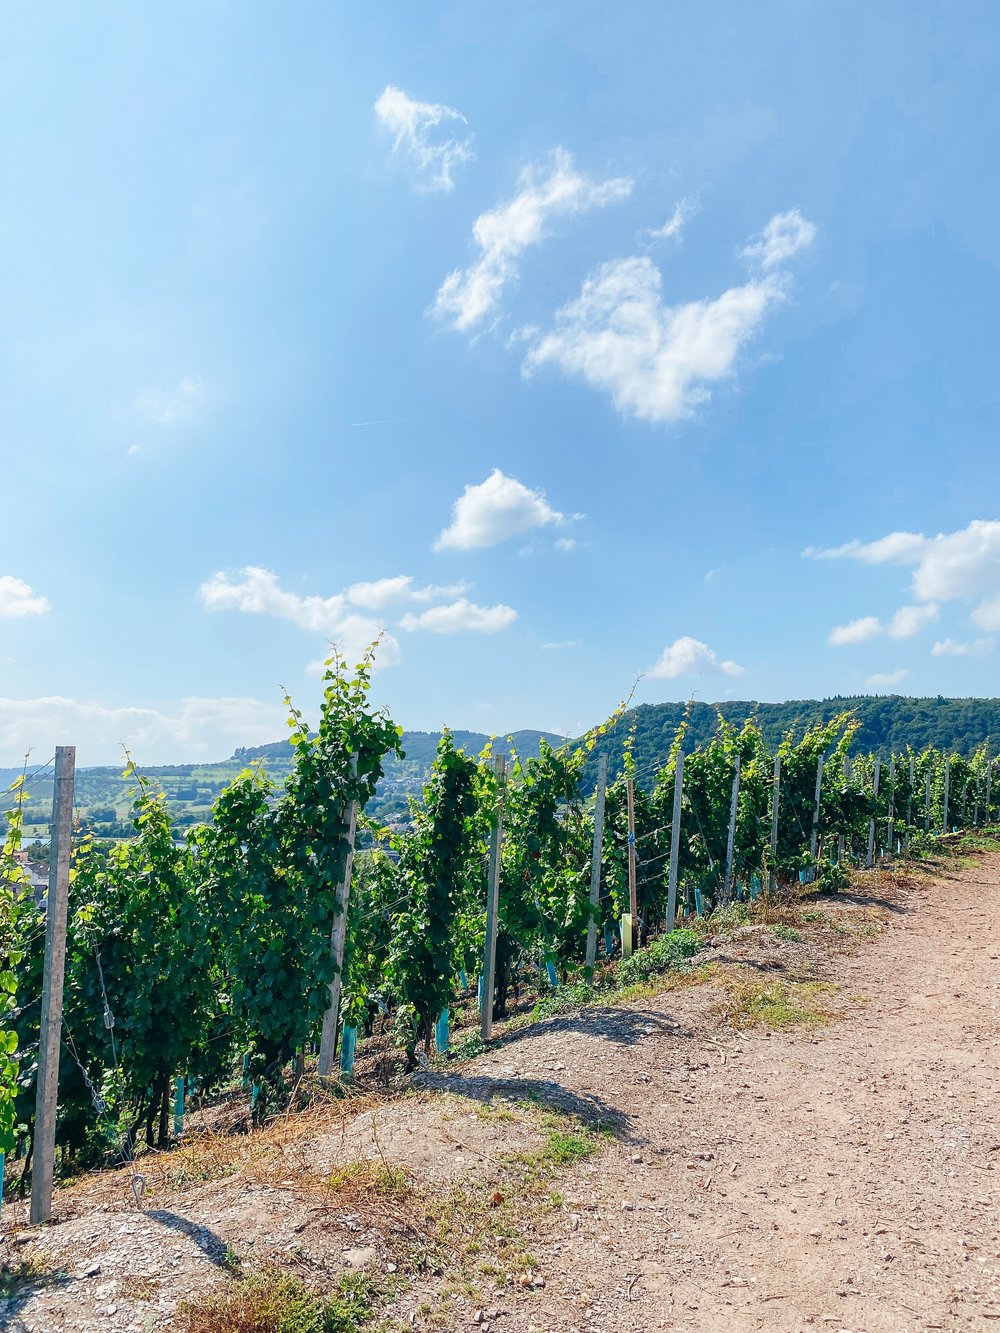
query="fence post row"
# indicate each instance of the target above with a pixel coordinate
(43, 1164)
(492, 906)
(595, 864)
(675, 843)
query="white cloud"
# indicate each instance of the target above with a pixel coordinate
(165, 407)
(673, 228)
(784, 236)
(468, 296)
(498, 508)
(949, 648)
(856, 631)
(953, 566)
(259, 592)
(17, 599)
(898, 548)
(910, 620)
(461, 615)
(886, 679)
(654, 360)
(565, 544)
(711, 575)
(687, 657)
(561, 646)
(412, 125)
(198, 728)
(383, 592)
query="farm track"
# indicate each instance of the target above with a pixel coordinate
(839, 1178)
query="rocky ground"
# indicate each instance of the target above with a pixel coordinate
(662, 1165)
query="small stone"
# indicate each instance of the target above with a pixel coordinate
(363, 1257)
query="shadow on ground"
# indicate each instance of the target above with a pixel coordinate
(593, 1112)
(207, 1241)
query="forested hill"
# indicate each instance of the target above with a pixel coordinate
(888, 723)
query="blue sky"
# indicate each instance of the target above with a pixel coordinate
(562, 342)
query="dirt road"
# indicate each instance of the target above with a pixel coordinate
(843, 1181)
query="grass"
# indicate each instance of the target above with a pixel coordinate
(28, 1273)
(750, 1002)
(370, 1182)
(788, 933)
(275, 1302)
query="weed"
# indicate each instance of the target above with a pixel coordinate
(787, 933)
(138, 1288)
(775, 1004)
(28, 1273)
(374, 1181)
(564, 1148)
(274, 1302)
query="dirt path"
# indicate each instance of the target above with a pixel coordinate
(841, 1178)
(846, 1181)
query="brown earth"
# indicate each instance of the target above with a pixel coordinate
(840, 1177)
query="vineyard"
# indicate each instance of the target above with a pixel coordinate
(289, 924)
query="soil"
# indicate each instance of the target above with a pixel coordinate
(839, 1177)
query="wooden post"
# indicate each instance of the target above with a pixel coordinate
(814, 836)
(492, 906)
(338, 938)
(43, 1166)
(947, 783)
(870, 858)
(595, 864)
(178, 1106)
(633, 896)
(927, 803)
(989, 786)
(775, 797)
(909, 800)
(675, 844)
(727, 886)
(890, 822)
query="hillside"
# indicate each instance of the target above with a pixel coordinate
(889, 722)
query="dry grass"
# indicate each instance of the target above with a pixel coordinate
(274, 1302)
(749, 1002)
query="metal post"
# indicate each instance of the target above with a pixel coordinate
(947, 783)
(338, 938)
(870, 858)
(775, 798)
(43, 1168)
(927, 802)
(889, 840)
(731, 838)
(675, 844)
(492, 906)
(595, 864)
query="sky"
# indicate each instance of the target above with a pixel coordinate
(560, 343)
